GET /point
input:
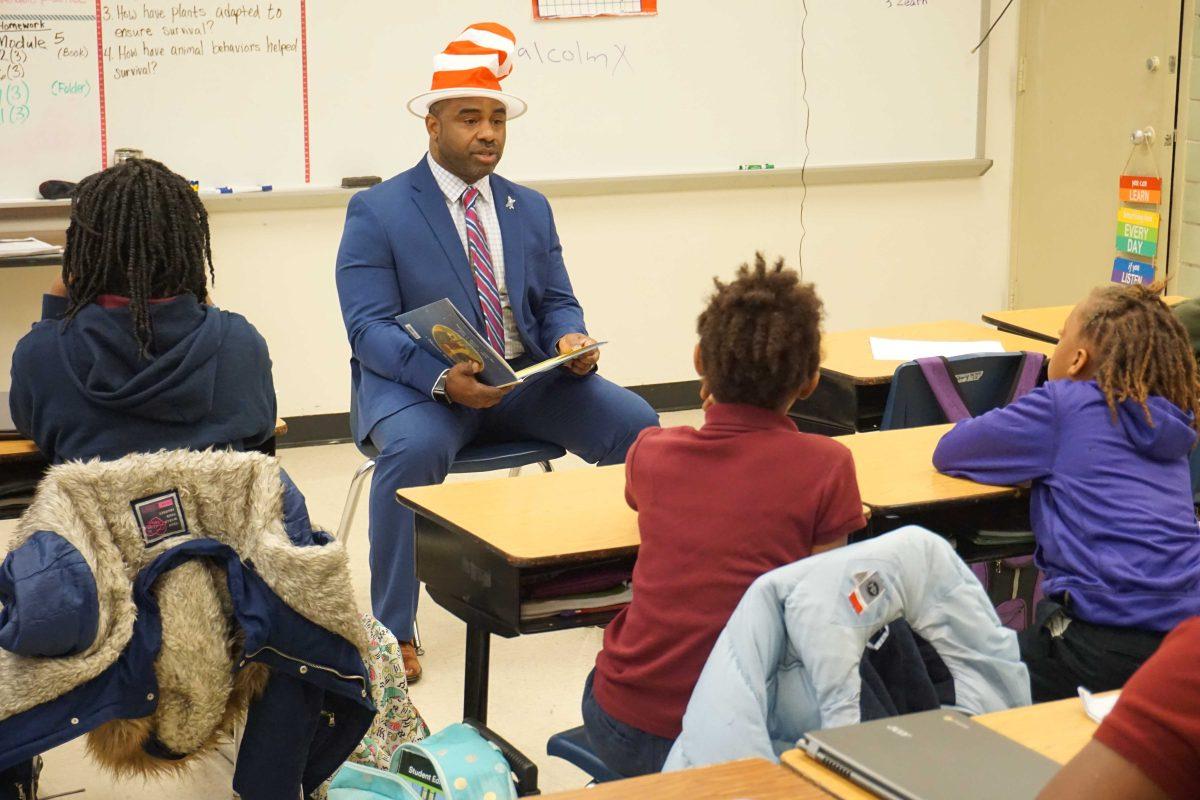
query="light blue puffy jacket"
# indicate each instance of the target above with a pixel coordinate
(788, 660)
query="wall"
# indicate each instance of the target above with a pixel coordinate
(884, 253)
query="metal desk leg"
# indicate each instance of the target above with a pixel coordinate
(475, 689)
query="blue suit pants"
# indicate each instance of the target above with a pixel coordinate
(588, 416)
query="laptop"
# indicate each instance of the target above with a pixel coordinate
(931, 755)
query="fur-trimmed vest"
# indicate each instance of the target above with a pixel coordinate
(152, 599)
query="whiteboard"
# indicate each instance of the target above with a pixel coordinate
(303, 92)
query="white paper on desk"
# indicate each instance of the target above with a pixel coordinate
(912, 349)
(1097, 707)
(29, 246)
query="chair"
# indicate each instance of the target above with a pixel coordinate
(472, 458)
(924, 394)
(983, 382)
(573, 747)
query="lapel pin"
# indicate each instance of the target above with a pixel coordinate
(510, 203)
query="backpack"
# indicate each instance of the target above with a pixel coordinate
(396, 719)
(1014, 585)
(457, 763)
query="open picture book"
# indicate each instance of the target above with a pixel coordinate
(441, 330)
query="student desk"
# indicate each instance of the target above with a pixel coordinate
(1043, 323)
(24, 450)
(21, 465)
(854, 385)
(43, 260)
(1057, 730)
(479, 542)
(748, 779)
(898, 483)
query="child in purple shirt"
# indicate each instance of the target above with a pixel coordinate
(1105, 443)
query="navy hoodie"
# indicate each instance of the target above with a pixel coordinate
(82, 390)
(1111, 502)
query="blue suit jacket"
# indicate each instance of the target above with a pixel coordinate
(400, 251)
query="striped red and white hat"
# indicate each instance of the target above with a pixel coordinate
(472, 66)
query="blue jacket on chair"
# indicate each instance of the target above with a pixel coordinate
(86, 637)
(400, 251)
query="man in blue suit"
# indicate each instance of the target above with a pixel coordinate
(449, 228)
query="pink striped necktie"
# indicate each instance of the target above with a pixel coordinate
(480, 256)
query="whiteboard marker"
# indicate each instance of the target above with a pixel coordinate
(266, 187)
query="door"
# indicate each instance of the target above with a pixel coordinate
(1090, 73)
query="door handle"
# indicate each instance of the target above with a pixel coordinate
(1142, 136)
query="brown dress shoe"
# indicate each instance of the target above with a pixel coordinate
(412, 667)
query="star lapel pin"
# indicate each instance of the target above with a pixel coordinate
(510, 203)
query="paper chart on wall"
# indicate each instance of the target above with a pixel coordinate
(910, 349)
(567, 9)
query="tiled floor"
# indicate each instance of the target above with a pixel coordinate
(535, 680)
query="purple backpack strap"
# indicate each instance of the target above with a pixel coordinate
(945, 389)
(1027, 376)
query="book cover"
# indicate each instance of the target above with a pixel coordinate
(442, 331)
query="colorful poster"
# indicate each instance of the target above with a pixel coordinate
(1137, 247)
(1126, 270)
(1135, 216)
(568, 9)
(1139, 232)
(1141, 189)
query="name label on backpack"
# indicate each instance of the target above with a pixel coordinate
(418, 769)
(159, 517)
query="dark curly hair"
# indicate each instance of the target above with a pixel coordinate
(1144, 349)
(760, 337)
(137, 230)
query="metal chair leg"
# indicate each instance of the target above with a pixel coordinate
(348, 510)
(545, 465)
(417, 638)
(514, 472)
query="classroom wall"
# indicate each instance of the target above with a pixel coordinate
(880, 254)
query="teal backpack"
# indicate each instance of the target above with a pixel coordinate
(456, 763)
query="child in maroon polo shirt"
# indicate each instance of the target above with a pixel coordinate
(718, 507)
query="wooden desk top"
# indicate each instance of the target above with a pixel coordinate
(895, 471)
(1046, 322)
(848, 353)
(750, 779)
(1057, 730)
(24, 449)
(537, 518)
(563, 516)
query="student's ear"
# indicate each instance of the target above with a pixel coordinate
(807, 389)
(698, 360)
(1081, 363)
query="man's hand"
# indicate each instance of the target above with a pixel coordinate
(586, 362)
(464, 388)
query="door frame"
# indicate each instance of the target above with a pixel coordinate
(1187, 30)
(1174, 226)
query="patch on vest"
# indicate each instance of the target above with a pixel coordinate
(159, 517)
(867, 590)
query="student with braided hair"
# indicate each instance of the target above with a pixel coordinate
(129, 356)
(1105, 443)
(718, 507)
